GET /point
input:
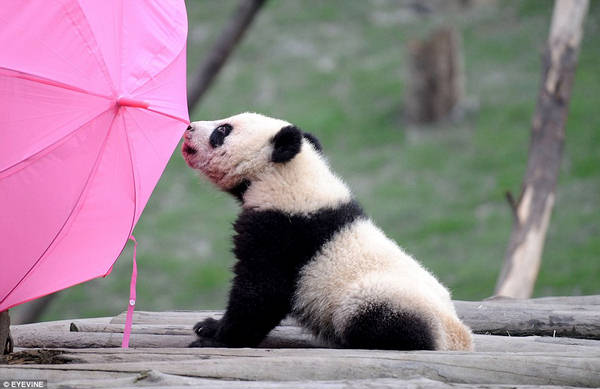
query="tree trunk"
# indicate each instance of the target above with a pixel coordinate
(436, 80)
(533, 209)
(6, 342)
(230, 36)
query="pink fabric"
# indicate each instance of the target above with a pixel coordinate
(92, 104)
(131, 305)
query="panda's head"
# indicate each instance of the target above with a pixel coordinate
(238, 150)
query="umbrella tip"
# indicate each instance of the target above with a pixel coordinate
(123, 101)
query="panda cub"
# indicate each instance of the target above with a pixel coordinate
(305, 247)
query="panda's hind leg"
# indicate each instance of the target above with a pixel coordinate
(378, 326)
(458, 336)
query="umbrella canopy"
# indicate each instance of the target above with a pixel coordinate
(92, 105)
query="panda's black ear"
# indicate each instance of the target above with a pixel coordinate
(286, 144)
(313, 140)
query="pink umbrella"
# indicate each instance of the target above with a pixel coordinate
(92, 105)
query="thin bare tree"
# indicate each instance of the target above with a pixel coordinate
(223, 47)
(534, 206)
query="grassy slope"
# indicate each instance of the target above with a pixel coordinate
(336, 69)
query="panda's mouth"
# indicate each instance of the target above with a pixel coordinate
(189, 150)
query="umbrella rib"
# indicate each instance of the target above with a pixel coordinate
(162, 70)
(151, 77)
(134, 194)
(133, 175)
(38, 154)
(144, 134)
(74, 212)
(13, 73)
(60, 57)
(93, 46)
(120, 40)
(184, 121)
(156, 75)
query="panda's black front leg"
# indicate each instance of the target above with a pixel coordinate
(206, 331)
(257, 303)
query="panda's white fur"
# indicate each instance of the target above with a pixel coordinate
(361, 265)
(300, 186)
(352, 273)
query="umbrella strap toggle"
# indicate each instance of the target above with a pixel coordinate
(131, 305)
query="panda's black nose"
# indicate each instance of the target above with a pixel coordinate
(190, 129)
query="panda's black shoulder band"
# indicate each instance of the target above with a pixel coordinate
(289, 240)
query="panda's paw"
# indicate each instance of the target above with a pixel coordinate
(207, 328)
(207, 342)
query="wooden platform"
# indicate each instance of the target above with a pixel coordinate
(85, 353)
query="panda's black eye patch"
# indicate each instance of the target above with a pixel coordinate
(217, 138)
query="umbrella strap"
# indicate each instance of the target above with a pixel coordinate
(131, 305)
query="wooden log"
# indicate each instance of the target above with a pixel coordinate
(533, 209)
(167, 317)
(334, 364)
(45, 331)
(220, 52)
(514, 318)
(296, 337)
(281, 336)
(58, 326)
(154, 378)
(157, 379)
(523, 319)
(510, 344)
(65, 375)
(178, 317)
(590, 301)
(173, 329)
(152, 336)
(151, 329)
(107, 355)
(167, 329)
(184, 354)
(76, 340)
(34, 337)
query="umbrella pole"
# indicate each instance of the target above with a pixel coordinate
(6, 342)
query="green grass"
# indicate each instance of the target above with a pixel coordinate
(337, 69)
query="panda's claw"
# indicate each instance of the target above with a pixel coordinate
(206, 328)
